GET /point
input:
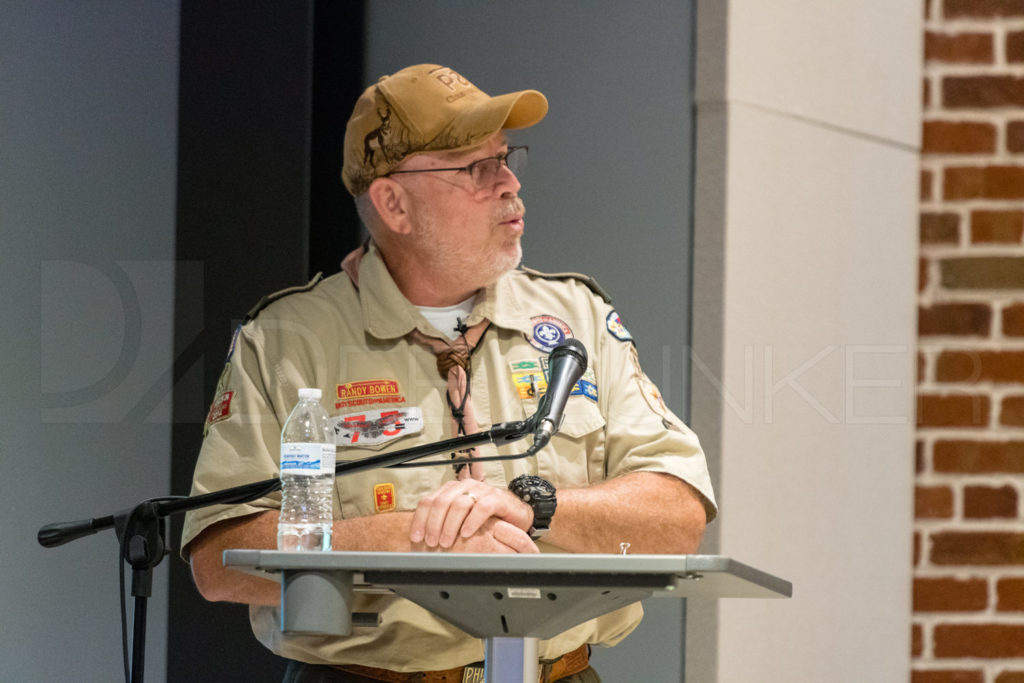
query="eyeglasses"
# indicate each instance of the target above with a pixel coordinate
(484, 172)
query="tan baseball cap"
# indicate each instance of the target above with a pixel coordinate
(426, 108)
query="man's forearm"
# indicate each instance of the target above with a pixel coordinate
(387, 532)
(376, 533)
(654, 513)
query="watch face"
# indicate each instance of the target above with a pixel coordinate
(534, 485)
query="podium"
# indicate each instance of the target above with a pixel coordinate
(510, 601)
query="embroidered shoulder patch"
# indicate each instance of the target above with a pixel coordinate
(548, 332)
(616, 328)
(374, 427)
(652, 395)
(221, 408)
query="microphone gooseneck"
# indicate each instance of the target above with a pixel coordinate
(566, 364)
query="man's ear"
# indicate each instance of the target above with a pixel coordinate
(392, 204)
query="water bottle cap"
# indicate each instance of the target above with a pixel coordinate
(306, 392)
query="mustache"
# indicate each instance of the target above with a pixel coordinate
(513, 208)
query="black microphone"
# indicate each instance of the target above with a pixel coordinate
(566, 365)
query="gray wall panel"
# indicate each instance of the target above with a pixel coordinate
(87, 177)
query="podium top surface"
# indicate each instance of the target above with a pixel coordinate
(667, 575)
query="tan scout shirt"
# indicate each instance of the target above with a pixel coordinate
(352, 344)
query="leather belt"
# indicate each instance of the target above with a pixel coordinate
(550, 671)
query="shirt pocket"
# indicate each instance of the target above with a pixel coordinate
(575, 454)
(380, 490)
(367, 435)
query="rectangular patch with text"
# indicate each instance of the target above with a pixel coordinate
(367, 392)
(384, 497)
(374, 427)
(221, 408)
(586, 386)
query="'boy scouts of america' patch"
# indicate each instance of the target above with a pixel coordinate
(548, 332)
(616, 328)
(384, 497)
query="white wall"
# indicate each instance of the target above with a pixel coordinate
(88, 119)
(804, 329)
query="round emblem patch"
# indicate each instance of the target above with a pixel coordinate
(616, 328)
(548, 332)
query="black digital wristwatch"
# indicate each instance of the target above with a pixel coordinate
(539, 494)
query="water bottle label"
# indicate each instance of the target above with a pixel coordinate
(327, 457)
(307, 458)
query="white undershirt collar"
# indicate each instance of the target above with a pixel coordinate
(447, 318)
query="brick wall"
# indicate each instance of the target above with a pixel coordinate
(968, 621)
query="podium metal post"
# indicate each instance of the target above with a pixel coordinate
(511, 660)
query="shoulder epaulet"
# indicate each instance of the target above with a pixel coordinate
(590, 282)
(271, 298)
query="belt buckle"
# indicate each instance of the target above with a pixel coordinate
(473, 674)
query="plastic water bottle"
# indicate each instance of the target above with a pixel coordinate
(307, 477)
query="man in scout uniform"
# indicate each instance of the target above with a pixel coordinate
(431, 330)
